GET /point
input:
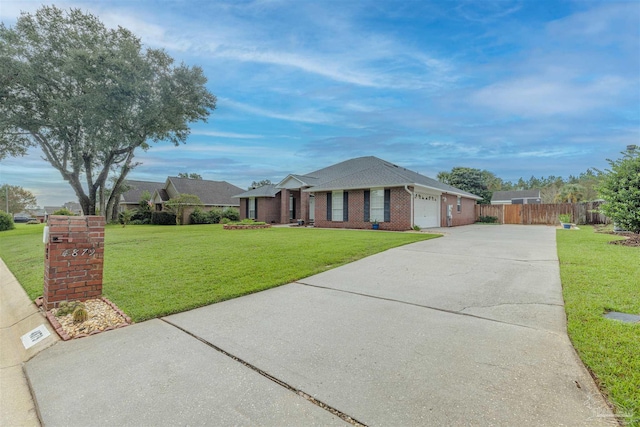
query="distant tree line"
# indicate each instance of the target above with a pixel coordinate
(553, 189)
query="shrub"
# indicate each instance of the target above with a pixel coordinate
(33, 221)
(225, 221)
(6, 221)
(143, 215)
(64, 211)
(214, 216)
(124, 217)
(488, 219)
(198, 217)
(231, 214)
(163, 218)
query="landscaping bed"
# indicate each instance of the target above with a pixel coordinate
(245, 226)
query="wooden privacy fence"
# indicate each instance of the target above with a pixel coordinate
(547, 214)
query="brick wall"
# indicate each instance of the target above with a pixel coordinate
(74, 256)
(268, 209)
(465, 217)
(400, 205)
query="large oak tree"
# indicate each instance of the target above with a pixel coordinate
(89, 96)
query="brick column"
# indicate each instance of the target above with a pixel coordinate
(284, 206)
(73, 259)
(304, 206)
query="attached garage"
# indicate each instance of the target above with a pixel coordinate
(426, 210)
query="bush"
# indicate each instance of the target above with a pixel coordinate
(488, 219)
(214, 216)
(163, 218)
(139, 222)
(198, 217)
(64, 211)
(6, 221)
(143, 215)
(231, 214)
(225, 221)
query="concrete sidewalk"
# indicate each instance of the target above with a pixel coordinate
(18, 316)
(468, 329)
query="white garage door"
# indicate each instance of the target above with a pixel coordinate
(425, 208)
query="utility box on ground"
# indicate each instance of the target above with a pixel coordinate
(73, 259)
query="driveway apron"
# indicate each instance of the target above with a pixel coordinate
(467, 329)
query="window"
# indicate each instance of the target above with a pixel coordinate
(337, 198)
(252, 208)
(376, 205)
(459, 204)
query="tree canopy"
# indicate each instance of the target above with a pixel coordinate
(620, 188)
(189, 175)
(89, 96)
(472, 180)
(178, 205)
(19, 199)
(256, 184)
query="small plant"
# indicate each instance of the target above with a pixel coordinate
(63, 211)
(488, 219)
(33, 221)
(67, 307)
(564, 218)
(80, 314)
(225, 221)
(416, 228)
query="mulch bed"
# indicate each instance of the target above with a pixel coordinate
(631, 239)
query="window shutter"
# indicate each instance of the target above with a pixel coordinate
(387, 205)
(255, 208)
(329, 206)
(345, 206)
(246, 210)
(367, 198)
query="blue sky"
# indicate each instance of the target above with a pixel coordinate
(519, 88)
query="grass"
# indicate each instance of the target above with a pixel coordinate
(596, 278)
(152, 271)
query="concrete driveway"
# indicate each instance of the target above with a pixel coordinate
(468, 329)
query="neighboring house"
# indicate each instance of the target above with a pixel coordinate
(212, 194)
(516, 197)
(358, 192)
(130, 199)
(71, 206)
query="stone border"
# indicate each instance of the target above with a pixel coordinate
(245, 226)
(65, 337)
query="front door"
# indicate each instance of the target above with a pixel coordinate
(312, 207)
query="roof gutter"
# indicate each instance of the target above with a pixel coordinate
(406, 187)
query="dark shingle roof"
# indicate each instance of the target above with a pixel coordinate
(514, 194)
(366, 172)
(137, 188)
(213, 193)
(269, 190)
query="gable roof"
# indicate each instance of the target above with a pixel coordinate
(369, 172)
(268, 190)
(213, 193)
(137, 188)
(515, 194)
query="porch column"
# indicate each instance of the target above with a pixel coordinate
(304, 206)
(284, 206)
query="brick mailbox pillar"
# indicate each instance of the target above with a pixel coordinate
(73, 259)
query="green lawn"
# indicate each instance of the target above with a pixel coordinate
(598, 277)
(152, 271)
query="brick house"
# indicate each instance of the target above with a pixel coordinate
(212, 194)
(130, 199)
(357, 193)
